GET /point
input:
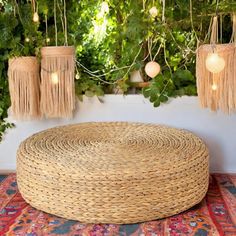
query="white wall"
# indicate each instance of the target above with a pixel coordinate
(216, 129)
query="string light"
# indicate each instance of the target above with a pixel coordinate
(47, 40)
(36, 17)
(152, 69)
(27, 39)
(215, 63)
(54, 78)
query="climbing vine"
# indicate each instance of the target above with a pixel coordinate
(112, 39)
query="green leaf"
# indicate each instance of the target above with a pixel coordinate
(157, 103)
(146, 92)
(163, 98)
(89, 93)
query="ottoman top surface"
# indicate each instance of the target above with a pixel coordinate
(105, 147)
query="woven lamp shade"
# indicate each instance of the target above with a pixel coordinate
(57, 81)
(24, 87)
(113, 172)
(224, 96)
(216, 83)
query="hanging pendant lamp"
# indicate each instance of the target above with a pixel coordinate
(57, 76)
(57, 81)
(215, 73)
(24, 87)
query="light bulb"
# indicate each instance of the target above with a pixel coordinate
(214, 87)
(47, 40)
(153, 12)
(77, 76)
(36, 17)
(54, 78)
(152, 69)
(104, 7)
(215, 63)
(27, 39)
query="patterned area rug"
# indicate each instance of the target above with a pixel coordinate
(215, 215)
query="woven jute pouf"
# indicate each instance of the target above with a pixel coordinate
(114, 172)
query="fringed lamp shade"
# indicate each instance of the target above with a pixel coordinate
(24, 86)
(216, 73)
(216, 86)
(57, 81)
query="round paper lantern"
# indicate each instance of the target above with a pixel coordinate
(152, 69)
(215, 63)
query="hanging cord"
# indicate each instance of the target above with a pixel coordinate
(98, 77)
(55, 20)
(18, 11)
(221, 28)
(214, 31)
(61, 16)
(46, 25)
(65, 24)
(233, 37)
(163, 11)
(191, 20)
(33, 5)
(150, 47)
(158, 50)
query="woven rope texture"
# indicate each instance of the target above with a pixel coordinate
(114, 172)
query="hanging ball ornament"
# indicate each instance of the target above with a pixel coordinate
(36, 17)
(153, 12)
(215, 63)
(152, 69)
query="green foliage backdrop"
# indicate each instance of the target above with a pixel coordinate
(114, 38)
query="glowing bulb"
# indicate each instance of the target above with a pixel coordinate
(104, 7)
(36, 17)
(54, 78)
(152, 69)
(215, 63)
(77, 76)
(214, 87)
(153, 12)
(47, 40)
(27, 39)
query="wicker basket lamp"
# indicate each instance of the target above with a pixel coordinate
(114, 172)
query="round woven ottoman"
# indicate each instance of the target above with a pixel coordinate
(114, 172)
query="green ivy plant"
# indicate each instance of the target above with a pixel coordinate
(111, 44)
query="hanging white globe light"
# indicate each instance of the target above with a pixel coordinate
(152, 69)
(153, 12)
(215, 63)
(36, 17)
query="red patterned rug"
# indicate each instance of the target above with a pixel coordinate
(215, 215)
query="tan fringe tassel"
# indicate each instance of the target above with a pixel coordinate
(24, 86)
(224, 96)
(57, 97)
